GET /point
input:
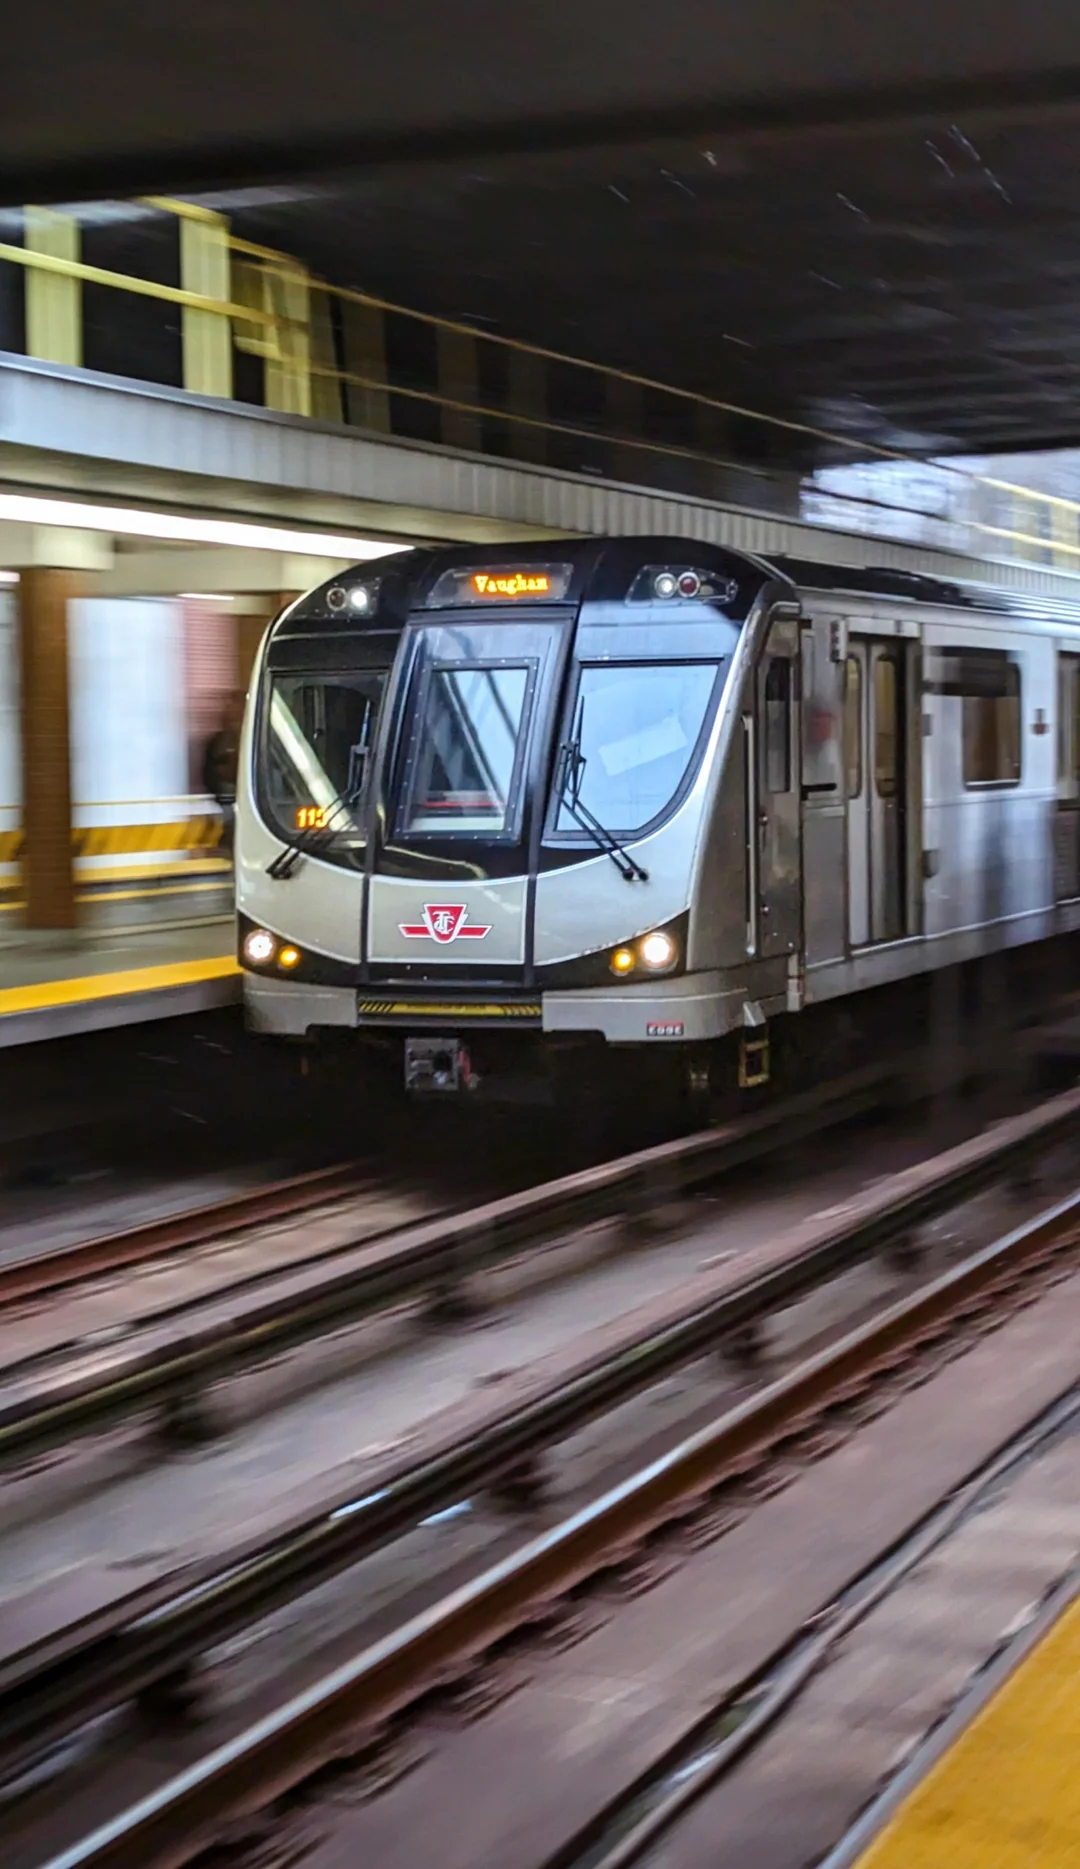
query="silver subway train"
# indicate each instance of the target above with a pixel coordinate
(505, 812)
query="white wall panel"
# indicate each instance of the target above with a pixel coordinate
(128, 731)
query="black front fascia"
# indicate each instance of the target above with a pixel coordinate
(311, 969)
(592, 970)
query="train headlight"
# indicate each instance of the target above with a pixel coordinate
(622, 961)
(658, 952)
(259, 947)
(289, 957)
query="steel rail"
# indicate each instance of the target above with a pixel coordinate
(165, 1829)
(24, 1279)
(51, 1399)
(158, 1630)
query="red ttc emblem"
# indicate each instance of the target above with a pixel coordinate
(445, 921)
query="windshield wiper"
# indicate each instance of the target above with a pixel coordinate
(283, 865)
(570, 773)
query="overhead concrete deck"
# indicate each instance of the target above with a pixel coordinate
(81, 436)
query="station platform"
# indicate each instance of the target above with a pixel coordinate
(56, 986)
(999, 1786)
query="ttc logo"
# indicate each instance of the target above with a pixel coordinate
(445, 921)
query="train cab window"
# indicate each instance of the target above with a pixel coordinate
(320, 728)
(853, 726)
(469, 735)
(637, 728)
(886, 726)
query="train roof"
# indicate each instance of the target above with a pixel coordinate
(918, 587)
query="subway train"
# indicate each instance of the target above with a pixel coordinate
(627, 810)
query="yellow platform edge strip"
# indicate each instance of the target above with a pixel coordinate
(1007, 1793)
(48, 993)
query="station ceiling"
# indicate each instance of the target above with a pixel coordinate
(867, 222)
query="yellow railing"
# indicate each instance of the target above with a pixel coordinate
(323, 355)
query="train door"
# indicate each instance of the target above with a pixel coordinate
(777, 787)
(1067, 814)
(876, 762)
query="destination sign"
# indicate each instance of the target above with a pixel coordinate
(498, 584)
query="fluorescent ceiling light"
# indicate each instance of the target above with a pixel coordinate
(9, 577)
(207, 597)
(134, 522)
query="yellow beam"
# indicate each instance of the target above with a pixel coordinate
(53, 298)
(143, 288)
(205, 265)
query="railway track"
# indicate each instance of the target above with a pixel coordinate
(700, 1489)
(57, 1269)
(167, 1363)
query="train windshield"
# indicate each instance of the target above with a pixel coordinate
(472, 695)
(636, 728)
(320, 728)
(463, 775)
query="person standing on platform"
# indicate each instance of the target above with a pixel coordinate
(220, 764)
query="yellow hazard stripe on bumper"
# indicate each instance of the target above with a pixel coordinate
(456, 1009)
(47, 993)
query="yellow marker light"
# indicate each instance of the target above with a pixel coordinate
(259, 947)
(658, 951)
(622, 961)
(289, 957)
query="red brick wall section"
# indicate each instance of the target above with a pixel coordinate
(210, 673)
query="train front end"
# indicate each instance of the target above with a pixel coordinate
(476, 796)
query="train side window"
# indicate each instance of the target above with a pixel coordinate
(853, 726)
(886, 726)
(778, 725)
(1074, 665)
(991, 729)
(987, 682)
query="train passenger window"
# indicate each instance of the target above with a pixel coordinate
(987, 682)
(778, 725)
(638, 726)
(886, 727)
(991, 720)
(853, 726)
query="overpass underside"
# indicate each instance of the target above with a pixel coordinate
(863, 222)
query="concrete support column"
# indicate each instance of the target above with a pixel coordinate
(625, 418)
(205, 264)
(712, 437)
(48, 871)
(53, 300)
(364, 335)
(326, 400)
(459, 378)
(527, 392)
